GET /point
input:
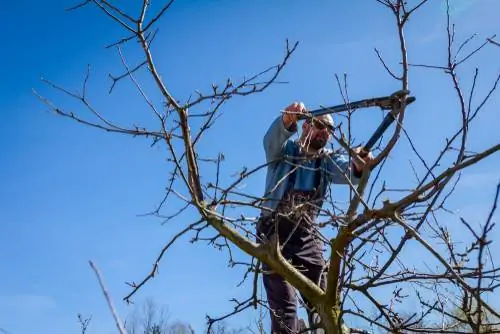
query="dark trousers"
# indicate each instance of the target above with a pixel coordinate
(304, 250)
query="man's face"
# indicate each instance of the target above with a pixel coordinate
(315, 133)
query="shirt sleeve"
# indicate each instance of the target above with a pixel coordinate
(276, 138)
(340, 170)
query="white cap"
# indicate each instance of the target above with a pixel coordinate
(327, 118)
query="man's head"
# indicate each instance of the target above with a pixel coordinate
(316, 132)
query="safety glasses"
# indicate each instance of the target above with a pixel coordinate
(319, 124)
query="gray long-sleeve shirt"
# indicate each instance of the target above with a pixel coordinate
(280, 150)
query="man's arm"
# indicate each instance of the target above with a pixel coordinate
(282, 128)
(339, 167)
(341, 171)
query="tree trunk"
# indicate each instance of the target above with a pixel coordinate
(330, 318)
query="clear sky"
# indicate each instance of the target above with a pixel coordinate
(70, 194)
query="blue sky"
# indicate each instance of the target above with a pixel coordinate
(71, 194)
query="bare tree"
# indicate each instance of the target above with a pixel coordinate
(368, 290)
(150, 319)
(222, 328)
(180, 328)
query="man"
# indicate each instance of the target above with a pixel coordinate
(298, 175)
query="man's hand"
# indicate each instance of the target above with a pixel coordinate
(292, 113)
(367, 158)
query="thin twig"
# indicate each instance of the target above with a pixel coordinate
(129, 72)
(385, 66)
(104, 290)
(159, 15)
(78, 5)
(493, 41)
(153, 272)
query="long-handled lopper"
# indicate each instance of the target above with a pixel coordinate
(392, 103)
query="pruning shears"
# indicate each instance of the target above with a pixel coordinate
(393, 102)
